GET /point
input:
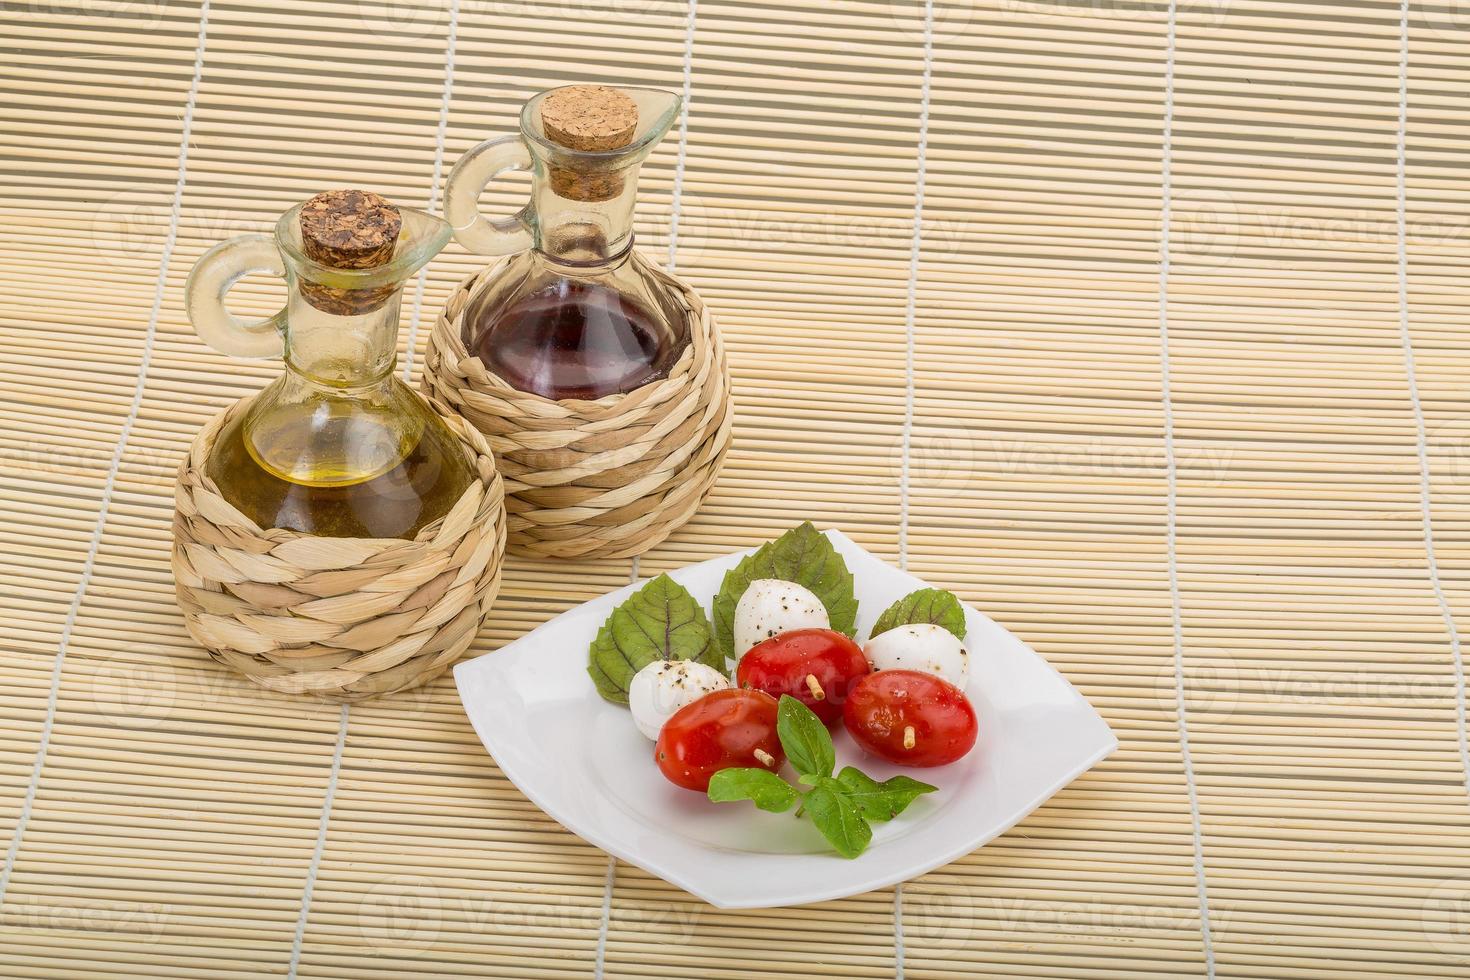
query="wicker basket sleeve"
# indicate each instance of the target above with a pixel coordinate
(607, 478)
(339, 618)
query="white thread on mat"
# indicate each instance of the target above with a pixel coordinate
(607, 894)
(450, 43)
(115, 465)
(678, 194)
(600, 959)
(1171, 469)
(1420, 426)
(321, 844)
(911, 300)
(910, 318)
(413, 332)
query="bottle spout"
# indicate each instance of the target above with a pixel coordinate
(655, 112)
(421, 236)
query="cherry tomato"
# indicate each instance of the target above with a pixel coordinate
(723, 729)
(910, 718)
(816, 666)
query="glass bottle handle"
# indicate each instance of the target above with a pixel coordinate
(212, 277)
(479, 166)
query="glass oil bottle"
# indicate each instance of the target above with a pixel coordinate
(577, 312)
(337, 446)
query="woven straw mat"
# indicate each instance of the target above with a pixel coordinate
(1142, 326)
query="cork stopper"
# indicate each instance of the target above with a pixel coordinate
(349, 229)
(588, 118)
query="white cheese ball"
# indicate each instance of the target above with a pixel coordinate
(921, 646)
(665, 686)
(770, 606)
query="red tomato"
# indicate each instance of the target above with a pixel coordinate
(910, 718)
(817, 667)
(722, 730)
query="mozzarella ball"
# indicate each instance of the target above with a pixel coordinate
(770, 606)
(665, 686)
(921, 646)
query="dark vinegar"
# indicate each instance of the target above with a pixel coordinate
(573, 340)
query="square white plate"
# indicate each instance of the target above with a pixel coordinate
(581, 759)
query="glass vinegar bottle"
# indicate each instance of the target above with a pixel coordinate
(577, 312)
(337, 446)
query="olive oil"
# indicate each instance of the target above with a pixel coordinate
(340, 475)
(337, 446)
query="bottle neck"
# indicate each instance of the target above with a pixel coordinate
(330, 350)
(585, 233)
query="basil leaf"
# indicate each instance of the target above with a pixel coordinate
(802, 555)
(661, 621)
(839, 820)
(806, 741)
(880, 801)
(762, 787)
(924, 606)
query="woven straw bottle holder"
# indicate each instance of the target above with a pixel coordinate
(324, 614)
(613, 474)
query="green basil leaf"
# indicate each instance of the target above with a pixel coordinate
(839, 820)
(924, 606)
(762, 787)
(880, 801)
(661, 621)
(802, 555)
(806, 741)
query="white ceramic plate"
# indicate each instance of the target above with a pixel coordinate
(581, 759)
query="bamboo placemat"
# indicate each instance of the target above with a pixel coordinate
(1140, 324)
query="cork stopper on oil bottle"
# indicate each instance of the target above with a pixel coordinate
(588, 119)
(349, 229)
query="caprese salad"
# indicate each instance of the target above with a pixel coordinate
(729, 703)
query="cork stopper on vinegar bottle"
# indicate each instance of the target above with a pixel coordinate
(588, 119)
(349, 229)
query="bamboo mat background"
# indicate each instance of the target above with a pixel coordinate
(1139, 324)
